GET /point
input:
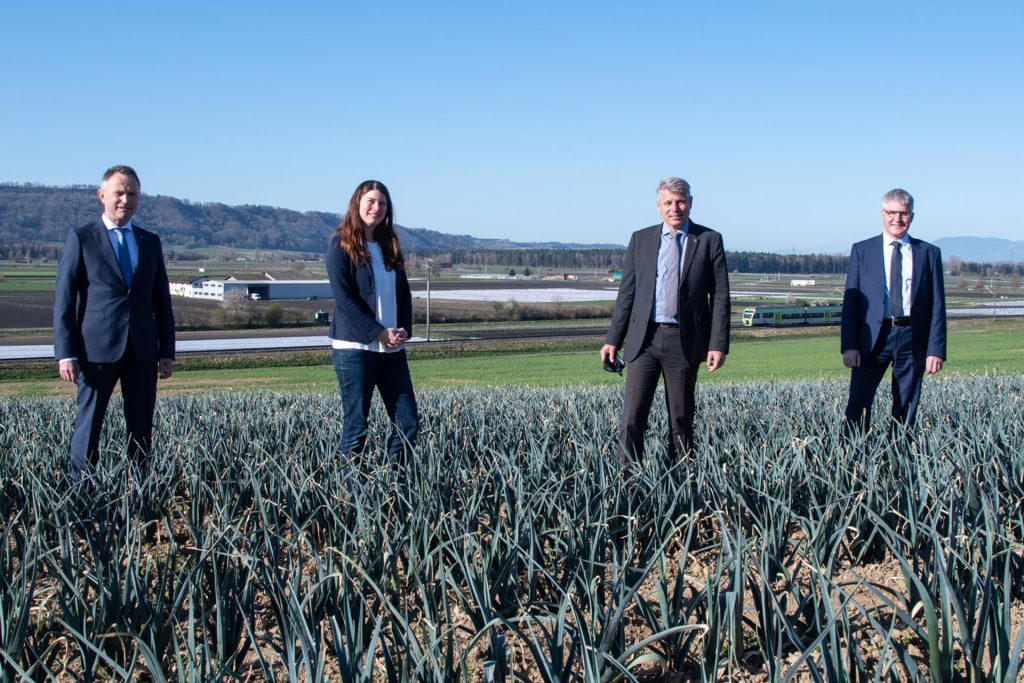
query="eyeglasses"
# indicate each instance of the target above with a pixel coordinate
(893, 214)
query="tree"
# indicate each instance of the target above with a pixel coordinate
(237, 307)
(274, 314)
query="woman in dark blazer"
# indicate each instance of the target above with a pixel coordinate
(372, 320)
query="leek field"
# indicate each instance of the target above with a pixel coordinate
(513, 546)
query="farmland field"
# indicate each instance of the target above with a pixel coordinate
(990, 346)
(512, 546)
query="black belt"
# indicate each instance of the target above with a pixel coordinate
(671, 326)
(903, 321)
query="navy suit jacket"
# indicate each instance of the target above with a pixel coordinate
(703, 294)
(355, 299)
(96, 311)
(864, 301)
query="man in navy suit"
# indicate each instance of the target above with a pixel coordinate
(894, 313)
(671, 315)
(112, 320)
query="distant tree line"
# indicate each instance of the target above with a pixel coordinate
(606, 260)
(601, 260)
(955, 265)
(568, 259)
(29, 251)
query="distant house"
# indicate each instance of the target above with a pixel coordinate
(801, 283)
(180, 286)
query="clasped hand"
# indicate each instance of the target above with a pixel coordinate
(393, 337)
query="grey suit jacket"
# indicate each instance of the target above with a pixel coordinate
(864, 299)
(703, 294)
(95, 310)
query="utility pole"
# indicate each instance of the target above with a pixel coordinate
(427, 262)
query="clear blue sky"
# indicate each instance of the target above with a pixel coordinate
(536, 120)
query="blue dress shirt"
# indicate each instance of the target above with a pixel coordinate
(658, 311)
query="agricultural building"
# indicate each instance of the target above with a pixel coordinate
(262, 289)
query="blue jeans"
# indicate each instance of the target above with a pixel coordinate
(358, 373)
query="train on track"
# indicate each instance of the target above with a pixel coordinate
(788, 316)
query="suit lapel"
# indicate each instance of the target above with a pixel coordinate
(918, 268)
(692, 241)
(646, 265)
(142, 244)
(648, 255)
(877, 258)
(105, 248)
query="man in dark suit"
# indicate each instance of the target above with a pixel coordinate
(112, 320)
(894, 312)
(671, 314)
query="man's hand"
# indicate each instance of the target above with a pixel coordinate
(932, 364)
(608, 352)
(68, 370)
(165, 367)
(393, 337)
(716, 359)
(851, 358)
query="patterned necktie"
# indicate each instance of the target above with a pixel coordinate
(124, 257)
(671, 289)
(896, 281)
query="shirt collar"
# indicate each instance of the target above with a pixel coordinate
(110, 225)
(684, 231)
(904, 241)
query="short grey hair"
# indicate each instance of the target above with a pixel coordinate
(675, 186)
(900, 197)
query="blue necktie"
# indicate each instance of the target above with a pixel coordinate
(124, 257)
(671, 287)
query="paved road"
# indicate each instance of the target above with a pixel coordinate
(44, 351)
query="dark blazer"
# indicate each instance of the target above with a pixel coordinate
(703, 294)
(864, 299)
(355, 299)
(95, 310)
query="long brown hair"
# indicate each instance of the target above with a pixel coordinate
(351, 232)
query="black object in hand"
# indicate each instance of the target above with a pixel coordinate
(614, 365)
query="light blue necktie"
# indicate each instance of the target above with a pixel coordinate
(671, 286)
(124, 257)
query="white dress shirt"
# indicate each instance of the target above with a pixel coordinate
(908, 269)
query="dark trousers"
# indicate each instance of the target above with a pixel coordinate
(96, 382)
(661, 358)
(894, 347)
(358, 373)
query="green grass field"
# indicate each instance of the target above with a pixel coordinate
(27, 285)
(977, 347)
